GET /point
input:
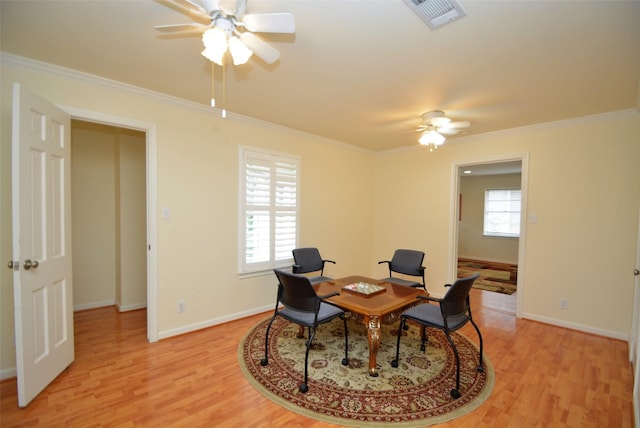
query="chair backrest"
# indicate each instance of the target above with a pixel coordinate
(296, 292)
(456, 300)
(307, 260)
(408, 262)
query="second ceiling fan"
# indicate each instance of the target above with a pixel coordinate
(436, 125)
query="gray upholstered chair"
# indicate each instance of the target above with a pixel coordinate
(451, 313)
(307, 260)
(408, 262)
(301, 305)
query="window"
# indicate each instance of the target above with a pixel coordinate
(268, 208)
(502, 212)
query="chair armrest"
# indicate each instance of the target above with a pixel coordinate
(426, 297)
(329, 261)
(384, 261)
(326, 296)
(295, 268)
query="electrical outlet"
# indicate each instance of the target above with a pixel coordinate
(181, 306)
(564, 304)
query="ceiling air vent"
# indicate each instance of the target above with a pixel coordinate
(436, 13)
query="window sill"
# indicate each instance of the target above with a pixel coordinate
(500, 237)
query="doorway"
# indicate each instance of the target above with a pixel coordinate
(108, 178)
(150, 132)
(501, 257)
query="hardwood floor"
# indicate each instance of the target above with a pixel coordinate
(545, 376)
(496, 301)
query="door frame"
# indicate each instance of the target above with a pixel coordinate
(454, 209)
(634, 336)
(150, 131)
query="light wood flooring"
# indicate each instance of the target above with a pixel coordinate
(545, 377)
(493, 300)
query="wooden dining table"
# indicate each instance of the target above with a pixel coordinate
(372, 301)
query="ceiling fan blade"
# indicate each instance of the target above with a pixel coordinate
(182, 27)
(191, 8)
(241, 9)
(210, 6)
(458, 125)
(264, 51)
(450, 131)
(270, 23)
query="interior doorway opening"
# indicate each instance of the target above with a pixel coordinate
(108, 182)
(498, 259)
(150, 132)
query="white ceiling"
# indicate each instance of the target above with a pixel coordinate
(361, 71)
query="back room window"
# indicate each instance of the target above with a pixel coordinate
(502, 212)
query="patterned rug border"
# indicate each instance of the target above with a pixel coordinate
(497, 277)
(461, 411)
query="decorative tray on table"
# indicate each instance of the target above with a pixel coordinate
(364, 288)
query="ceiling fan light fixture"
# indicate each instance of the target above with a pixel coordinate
(439, 122)
(215, 45)
(239, 51)
(431, 138)
(222, 33)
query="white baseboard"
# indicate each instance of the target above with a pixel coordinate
(8, 373)
(126, 308)
(577, 327)
(93, 305)
(215, 321)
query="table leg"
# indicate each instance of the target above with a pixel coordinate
(373, 335)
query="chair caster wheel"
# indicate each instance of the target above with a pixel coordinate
(264, 362)
(345, 362)
(304, 387)
(394, 363)
(455, 393)
(481, 369)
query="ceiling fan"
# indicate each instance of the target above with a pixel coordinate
(232, 29)
(436, 125)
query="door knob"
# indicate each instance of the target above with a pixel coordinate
(28, 264)
(636, 272)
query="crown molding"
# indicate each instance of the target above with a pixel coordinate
(47, 68)
(613, 115)
(19, 61)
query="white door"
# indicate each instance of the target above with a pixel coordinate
(42, 287)
(634, 342)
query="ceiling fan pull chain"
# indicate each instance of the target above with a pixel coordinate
(224, 91)
(213, 84)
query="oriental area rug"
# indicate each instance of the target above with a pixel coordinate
(416, 394)
(494, 276)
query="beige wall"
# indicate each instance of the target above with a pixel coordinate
(357, 207)
(471, 241)
(197, 164)
(93, 195)
(132, 220)
(584, 187)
